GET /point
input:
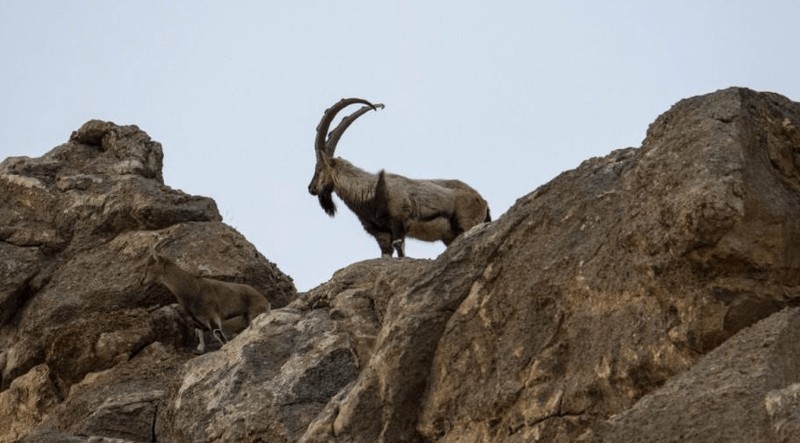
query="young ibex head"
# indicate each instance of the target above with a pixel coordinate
(151, 266)
(154, 264)
(325, 145)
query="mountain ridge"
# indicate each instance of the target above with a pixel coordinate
(644, 281)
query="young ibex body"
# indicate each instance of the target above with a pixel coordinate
(207, 301)
(390, 206)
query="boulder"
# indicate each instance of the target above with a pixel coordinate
(744, 390)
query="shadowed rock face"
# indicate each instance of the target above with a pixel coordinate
(644, 296)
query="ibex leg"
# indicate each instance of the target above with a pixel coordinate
(400, 246)
(384, 240)
(222, 340)
(399, 238)
(201, 347)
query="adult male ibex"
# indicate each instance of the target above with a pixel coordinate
(390, 206)
(207, 301)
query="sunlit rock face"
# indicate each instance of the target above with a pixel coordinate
(647, 295)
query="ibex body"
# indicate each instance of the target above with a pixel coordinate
(207, 301)
(390, 206)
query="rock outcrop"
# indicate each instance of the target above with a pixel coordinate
(84, 348)
(649, 295)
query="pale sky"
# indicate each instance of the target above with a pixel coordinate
(504, 95)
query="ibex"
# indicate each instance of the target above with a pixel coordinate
(390, 206)
(207, 301)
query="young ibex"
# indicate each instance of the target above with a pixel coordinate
(207, 301)
(390, 206)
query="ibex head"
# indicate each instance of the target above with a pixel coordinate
(154, 264)
(322, 184)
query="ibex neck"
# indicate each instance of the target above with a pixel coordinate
(179, 282)
(353, 185)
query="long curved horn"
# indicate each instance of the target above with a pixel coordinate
(327, 148)
(336, 134)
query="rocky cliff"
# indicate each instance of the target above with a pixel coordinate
(645, 296)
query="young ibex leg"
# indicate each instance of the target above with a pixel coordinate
(218, 323)
(222, 340)
(201, 347)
